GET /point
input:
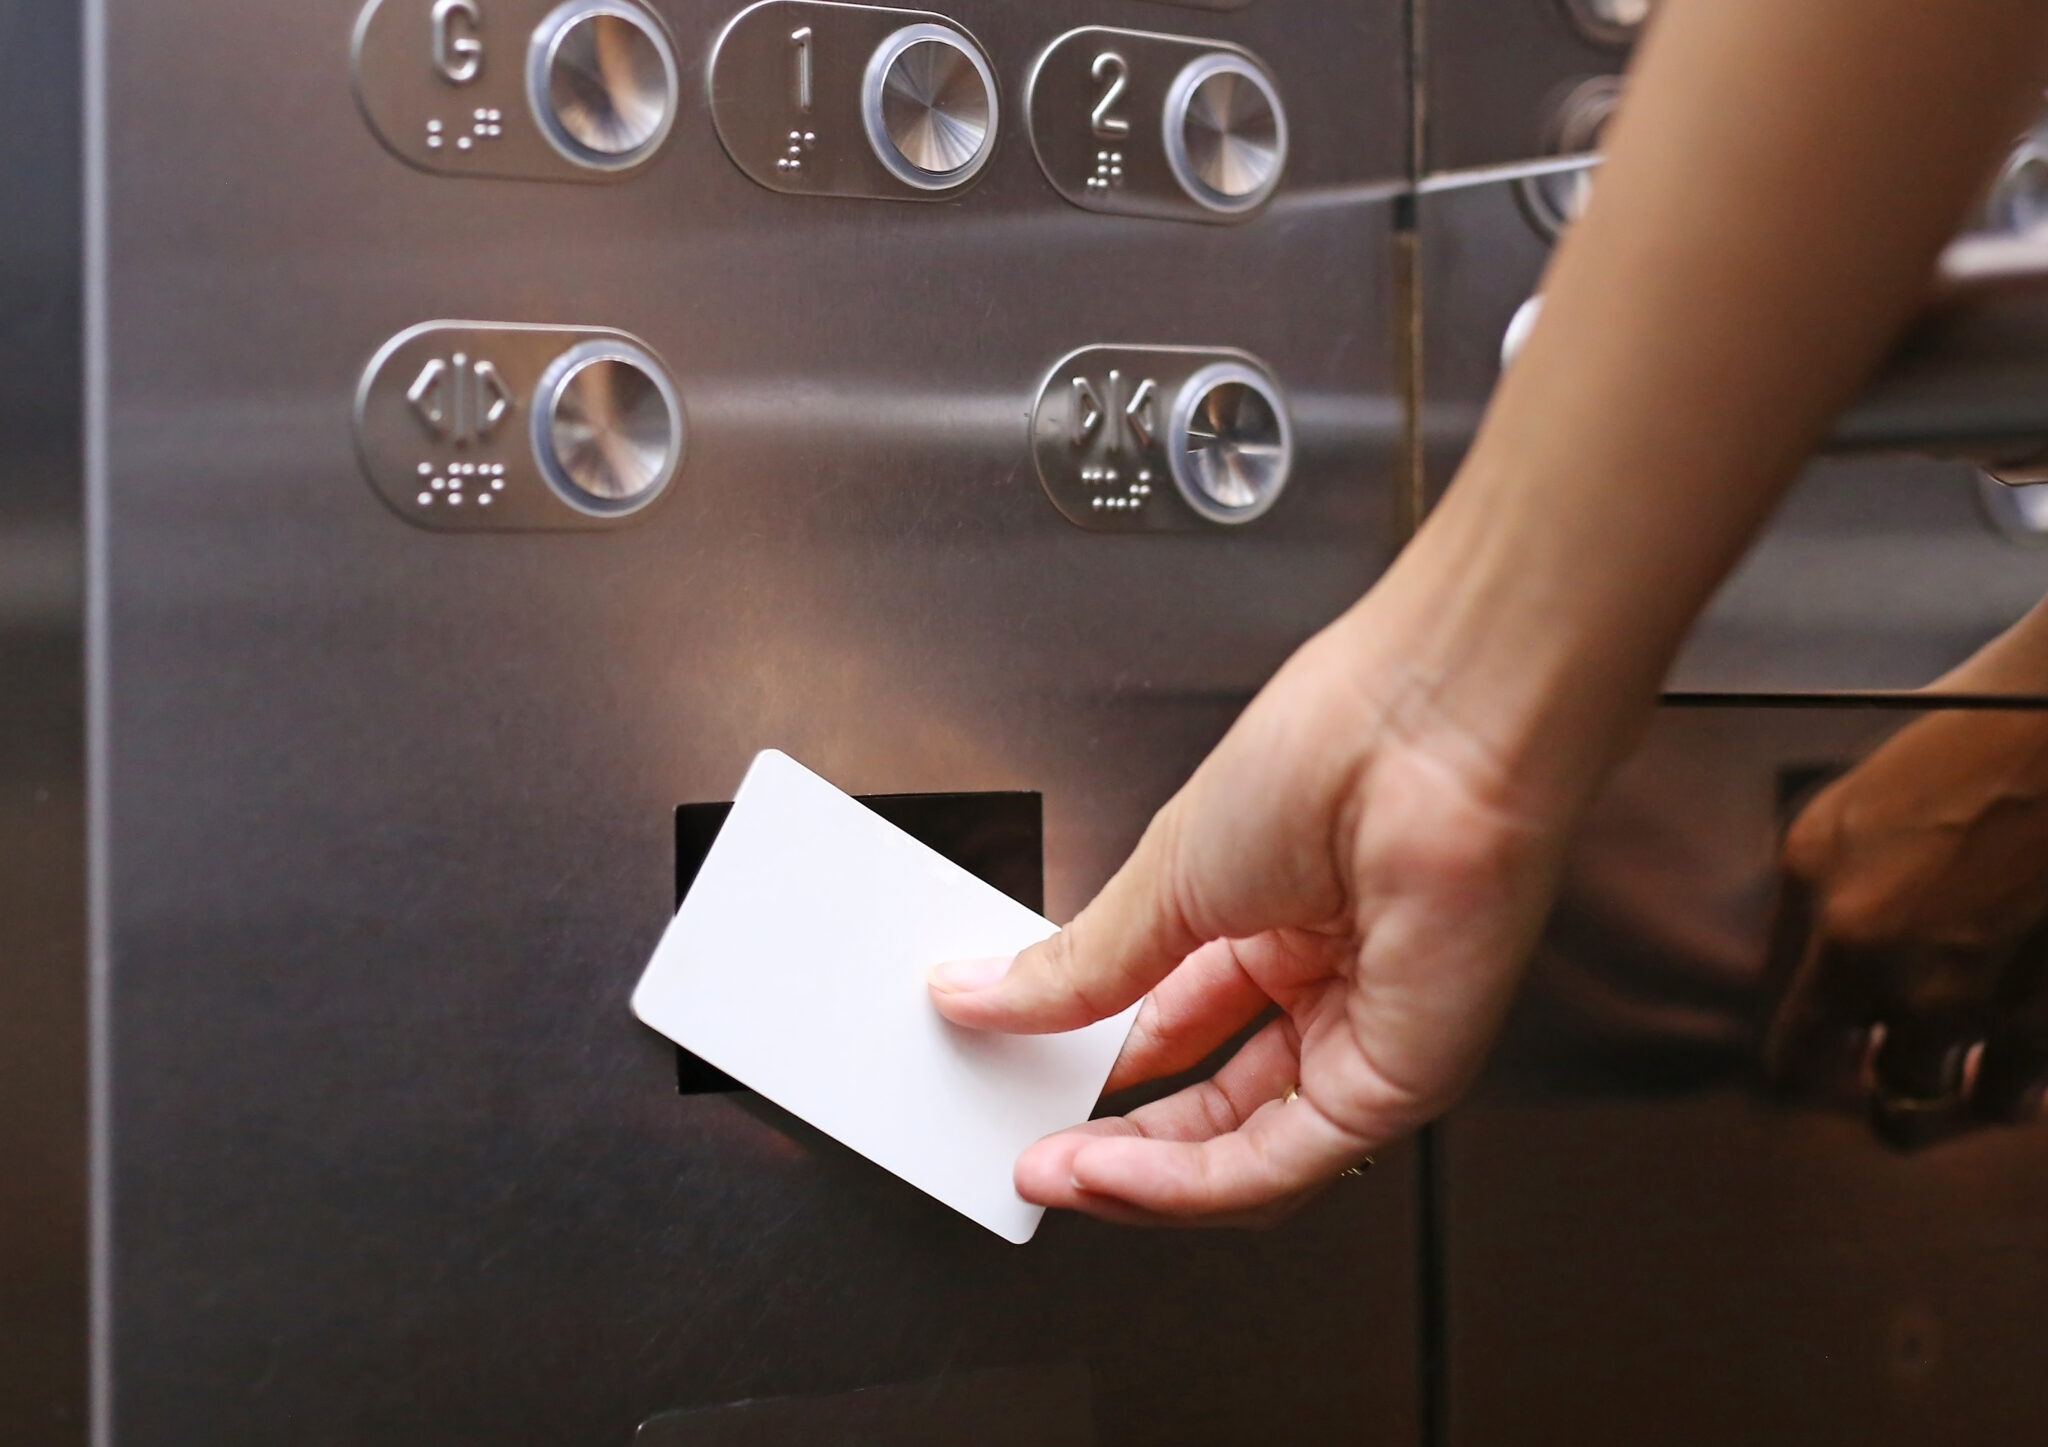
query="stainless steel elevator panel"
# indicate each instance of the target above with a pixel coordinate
(1877, 573)
(1645, 1245)
(388, 808)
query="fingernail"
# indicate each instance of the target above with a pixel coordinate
(964, 977)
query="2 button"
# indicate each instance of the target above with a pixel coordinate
(1168, 126)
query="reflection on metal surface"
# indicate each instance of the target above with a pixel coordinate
(1792, 940)
(1610, 22)
(1113, 424)
(602, 80)
(1844, 904)
(2019, 510)
(435, 415)
(1231, 444)
(1554, 200)
(815, 98)
(1139, 124)
(608, 428)
(1910, 948)
(1226, 132)
(582, 91)
(929, 104)
(2018, 199)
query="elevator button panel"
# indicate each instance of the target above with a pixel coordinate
(524, 89)
(1161, 439)
(496, 427)
(1138, 124)
(819, 99)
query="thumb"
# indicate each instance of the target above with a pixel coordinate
(1127, 940)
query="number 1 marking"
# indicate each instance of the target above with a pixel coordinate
(800, 41)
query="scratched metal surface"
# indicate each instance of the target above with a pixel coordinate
(389, 812)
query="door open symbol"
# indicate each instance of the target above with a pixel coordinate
(460, 399)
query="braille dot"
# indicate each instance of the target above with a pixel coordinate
(426, 469)
(455, 499)
(426, 499)
(439, 483)
(462, 144)
(497, 484)
(484, 501)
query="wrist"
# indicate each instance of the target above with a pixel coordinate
(1493, 632)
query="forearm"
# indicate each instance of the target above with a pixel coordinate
(1776, 190)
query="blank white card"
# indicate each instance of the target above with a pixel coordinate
(797, 966)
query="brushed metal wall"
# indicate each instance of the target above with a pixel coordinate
(389, 813)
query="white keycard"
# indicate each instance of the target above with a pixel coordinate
(797, 966)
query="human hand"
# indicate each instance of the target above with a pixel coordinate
(1348, 853)
(1912, 935)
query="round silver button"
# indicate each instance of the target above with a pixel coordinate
(930, 107)
(1226, 132)
(1231, 446)
(608, 427)
(1554, 200)
(2018, 202)
(1609, 22)
(601, 76)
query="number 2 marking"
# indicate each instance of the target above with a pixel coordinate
(1115, 74)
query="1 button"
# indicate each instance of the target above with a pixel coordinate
(930, 107)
